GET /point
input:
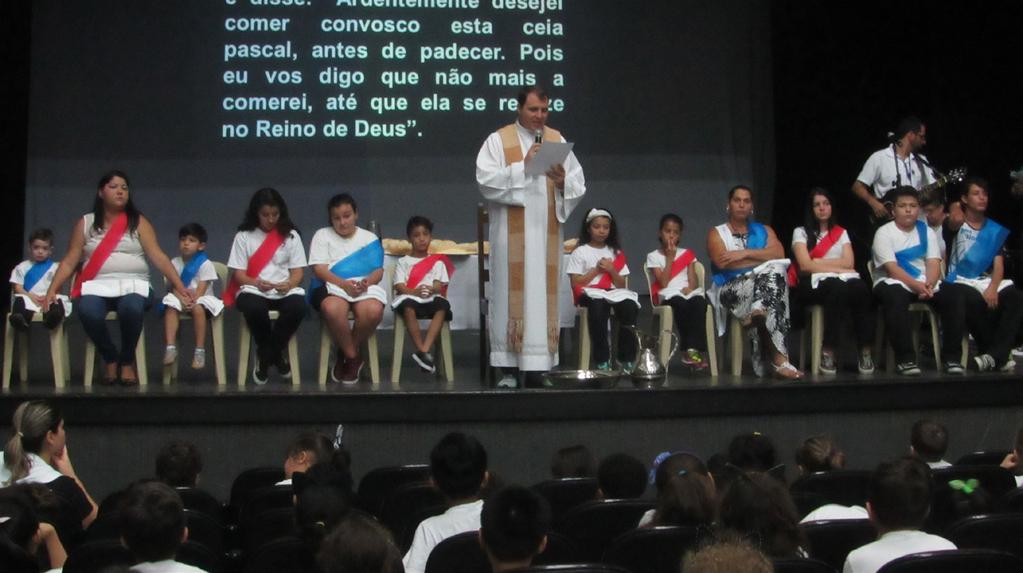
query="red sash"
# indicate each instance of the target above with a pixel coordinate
(605, 279)
(106, 246)
(680, 264)
(819, 250)
(419, 270)
(257, 262)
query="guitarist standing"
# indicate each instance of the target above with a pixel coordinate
(893, 166)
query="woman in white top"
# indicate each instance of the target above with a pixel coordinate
(267, 263)
(112, 243)
(823, 274)
(749, 281)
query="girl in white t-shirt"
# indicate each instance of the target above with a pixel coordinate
(420, 283)
(823, 274)
(267, 263)
(598, 270)
(675, 284)
(348, 264)
(199, 274)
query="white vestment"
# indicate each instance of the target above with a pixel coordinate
(508, 185)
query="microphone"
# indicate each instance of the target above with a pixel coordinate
(538, 136)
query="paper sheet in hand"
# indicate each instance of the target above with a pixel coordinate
(551, 153)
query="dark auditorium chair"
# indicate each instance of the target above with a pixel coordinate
(996, 480)
(845, 487)
(831, 541)
(653, 549)
(269, 525)
(595, 524)
(803, 566)
(93, 556)
(999, 531)
(807, 501)
(1011, 502)
(198, 555)
(564, 494)
(262, 499)
(105, 526)
(956, 561)
(375, 486)
(205, 530)
(982, 458)
(411, 503)
(459, 554)
(201, 500)
(253, 479)
(575, 568)
(559, 551)
(288, 555)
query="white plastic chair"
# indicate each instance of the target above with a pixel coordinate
(920, 308)
(170, 371)
(327, 345)
(244, 342)
(585, 345)
(814, 332)
(447, 364)
(140, 356)
(58, 352)
(666, 321)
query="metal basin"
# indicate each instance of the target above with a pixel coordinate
(581, 379)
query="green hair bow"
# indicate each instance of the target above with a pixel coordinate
(967, 487)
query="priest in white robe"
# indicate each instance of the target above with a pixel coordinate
(526, 215)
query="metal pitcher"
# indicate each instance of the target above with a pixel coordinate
(648, 368)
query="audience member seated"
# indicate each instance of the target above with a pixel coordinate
(323, 498)
(459, 467)
(359, 545)
(821, 454)
(153, 527)
(727, 556)
(956, 499)
(178, 464)
(573, 462)
(309, 449)
(898, 500)
(22, 534)
(621, 476)
(758, 507)
(929, 442)
(1014, 461)
(37, 454)
(753, 452)
(685, 493)
(513, 528)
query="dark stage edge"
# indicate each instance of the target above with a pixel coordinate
(467, 400)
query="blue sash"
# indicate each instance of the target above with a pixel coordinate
(358, 264)
(37, 272)
(906, 256)
(188, 273)
(757, 240)
(981, 255)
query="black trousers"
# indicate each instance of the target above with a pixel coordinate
(994, 329)
(690, 316)
(271, 336)
(51, 318)
(841, 300)
(599, 315)
(895, 302)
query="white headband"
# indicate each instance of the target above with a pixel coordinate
(594, 213)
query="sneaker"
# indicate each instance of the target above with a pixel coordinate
(337, 371)
(351, 371)
(954, 368)
(605, 366)
(628, 367)
(170, 354)
(1009, 366)
(199, 359)
(260, 373)
(508, 381)
(284, 367)
(828, 363)
(691, 357)
(984, 362)
(866, 363)
(1018, 351)
(425, 361)
(907, 369)
(18, 321)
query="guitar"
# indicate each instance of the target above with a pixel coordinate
(928, 194)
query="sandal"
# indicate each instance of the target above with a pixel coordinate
(109, 380)
(786, 371)
(134, 381)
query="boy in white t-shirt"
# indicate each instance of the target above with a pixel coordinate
(153, 527)
(420, 283)
(198, 274)
(30, 280)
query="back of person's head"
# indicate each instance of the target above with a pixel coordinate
(152, 520)
(759, 507)
(514, 524)
(573, 462)
(929, 440)
(459, 465)
(323, 497)
(753, 452)
(311, 448)
(178, 464)
(819, 454)
(621, 476)
(18, 526)
(685, 491)
(966, 497)
(728, 555)
(358, 544)
(31, 423)
(899, 494)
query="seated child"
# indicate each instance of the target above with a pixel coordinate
(685, 493)
(598, 270)
(621, 476)
(420, 285)
(821, 454)
(31, 279)
(675, 284)
(928, 441)
(153, 527)
(359, 544)
(513, 527)
(178, 464)
(198, 274)
(573, 462)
